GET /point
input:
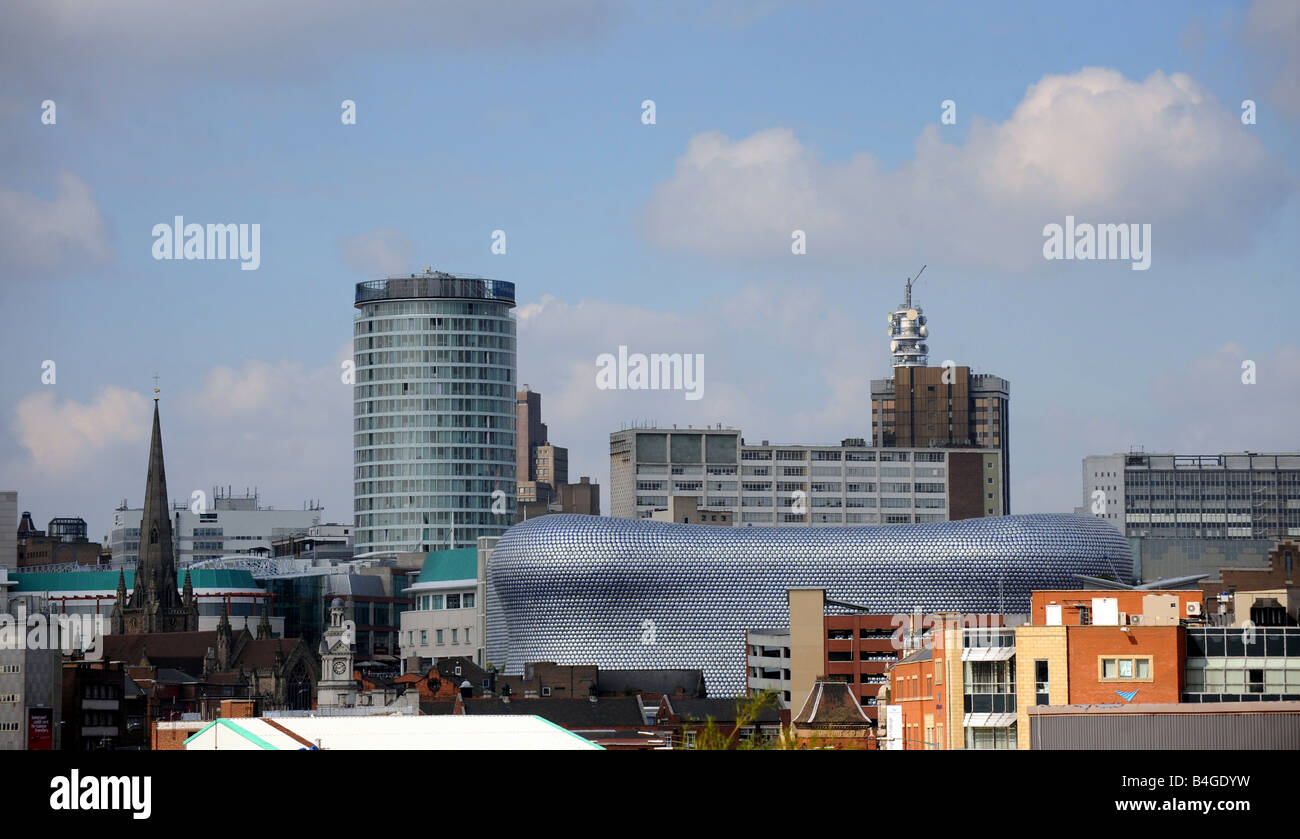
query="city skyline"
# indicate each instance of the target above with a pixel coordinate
(665, 237)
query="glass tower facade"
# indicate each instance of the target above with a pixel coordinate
(434, 411)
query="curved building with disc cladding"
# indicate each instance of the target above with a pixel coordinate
(635, 593)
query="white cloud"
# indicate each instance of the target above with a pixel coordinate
(378, 252)
(1092, 144)
(62, 437)
(283, 427)
(39, 235)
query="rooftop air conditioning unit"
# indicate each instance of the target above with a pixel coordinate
(1194, 608)
(1135, 620)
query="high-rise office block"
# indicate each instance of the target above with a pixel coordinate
(543, 468)
(531, 433)
(435, 407)
(945, 406)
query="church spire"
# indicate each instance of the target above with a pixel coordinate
(155, 604)
(155, 490)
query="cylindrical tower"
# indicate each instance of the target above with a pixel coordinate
(908, 333)
(434, 411)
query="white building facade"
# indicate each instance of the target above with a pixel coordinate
(449, 617)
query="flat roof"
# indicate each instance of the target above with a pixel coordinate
(200, 578)
(393, 733)
(1169, 708)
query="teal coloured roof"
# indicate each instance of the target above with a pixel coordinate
(445, 566)
(218, 578)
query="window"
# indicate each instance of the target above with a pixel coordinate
(435, 601)
(424, 638)
(546, 690)
(453, 635)
(991, 738)
(1041, 683)
(467, 601)
(453, 601)
(1137, 669)
(467, 635)
(439, 636)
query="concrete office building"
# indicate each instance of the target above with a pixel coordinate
(1195, 514)
(9, 529)
(231, 525)
(30, 679)
(921, 406)
(531, 433)
(582, 498)
(1241, 495)
(435, 411)
(798, 485)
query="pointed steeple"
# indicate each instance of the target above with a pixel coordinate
(156, 525)
(225, 640)
(117, 626)
(264, 625)
(155, 604)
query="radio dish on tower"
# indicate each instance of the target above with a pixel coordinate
(907, 330)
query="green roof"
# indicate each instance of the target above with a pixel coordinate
(445, 566)
(218, 578)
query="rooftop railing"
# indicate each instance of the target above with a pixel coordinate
(435, 285)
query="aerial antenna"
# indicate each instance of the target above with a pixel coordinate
(910, 281)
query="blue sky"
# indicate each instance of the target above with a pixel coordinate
(666, 237)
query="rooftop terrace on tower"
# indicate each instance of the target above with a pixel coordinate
(435, 284)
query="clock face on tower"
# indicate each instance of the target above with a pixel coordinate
(339, 666)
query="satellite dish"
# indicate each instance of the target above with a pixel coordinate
(924, 332)
(893, 345)
(911, 314)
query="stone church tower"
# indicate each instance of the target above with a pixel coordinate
(155, 605)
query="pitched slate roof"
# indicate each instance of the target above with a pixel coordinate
(668, 682)
(721, 710)
(569, 713)
(832, 705)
